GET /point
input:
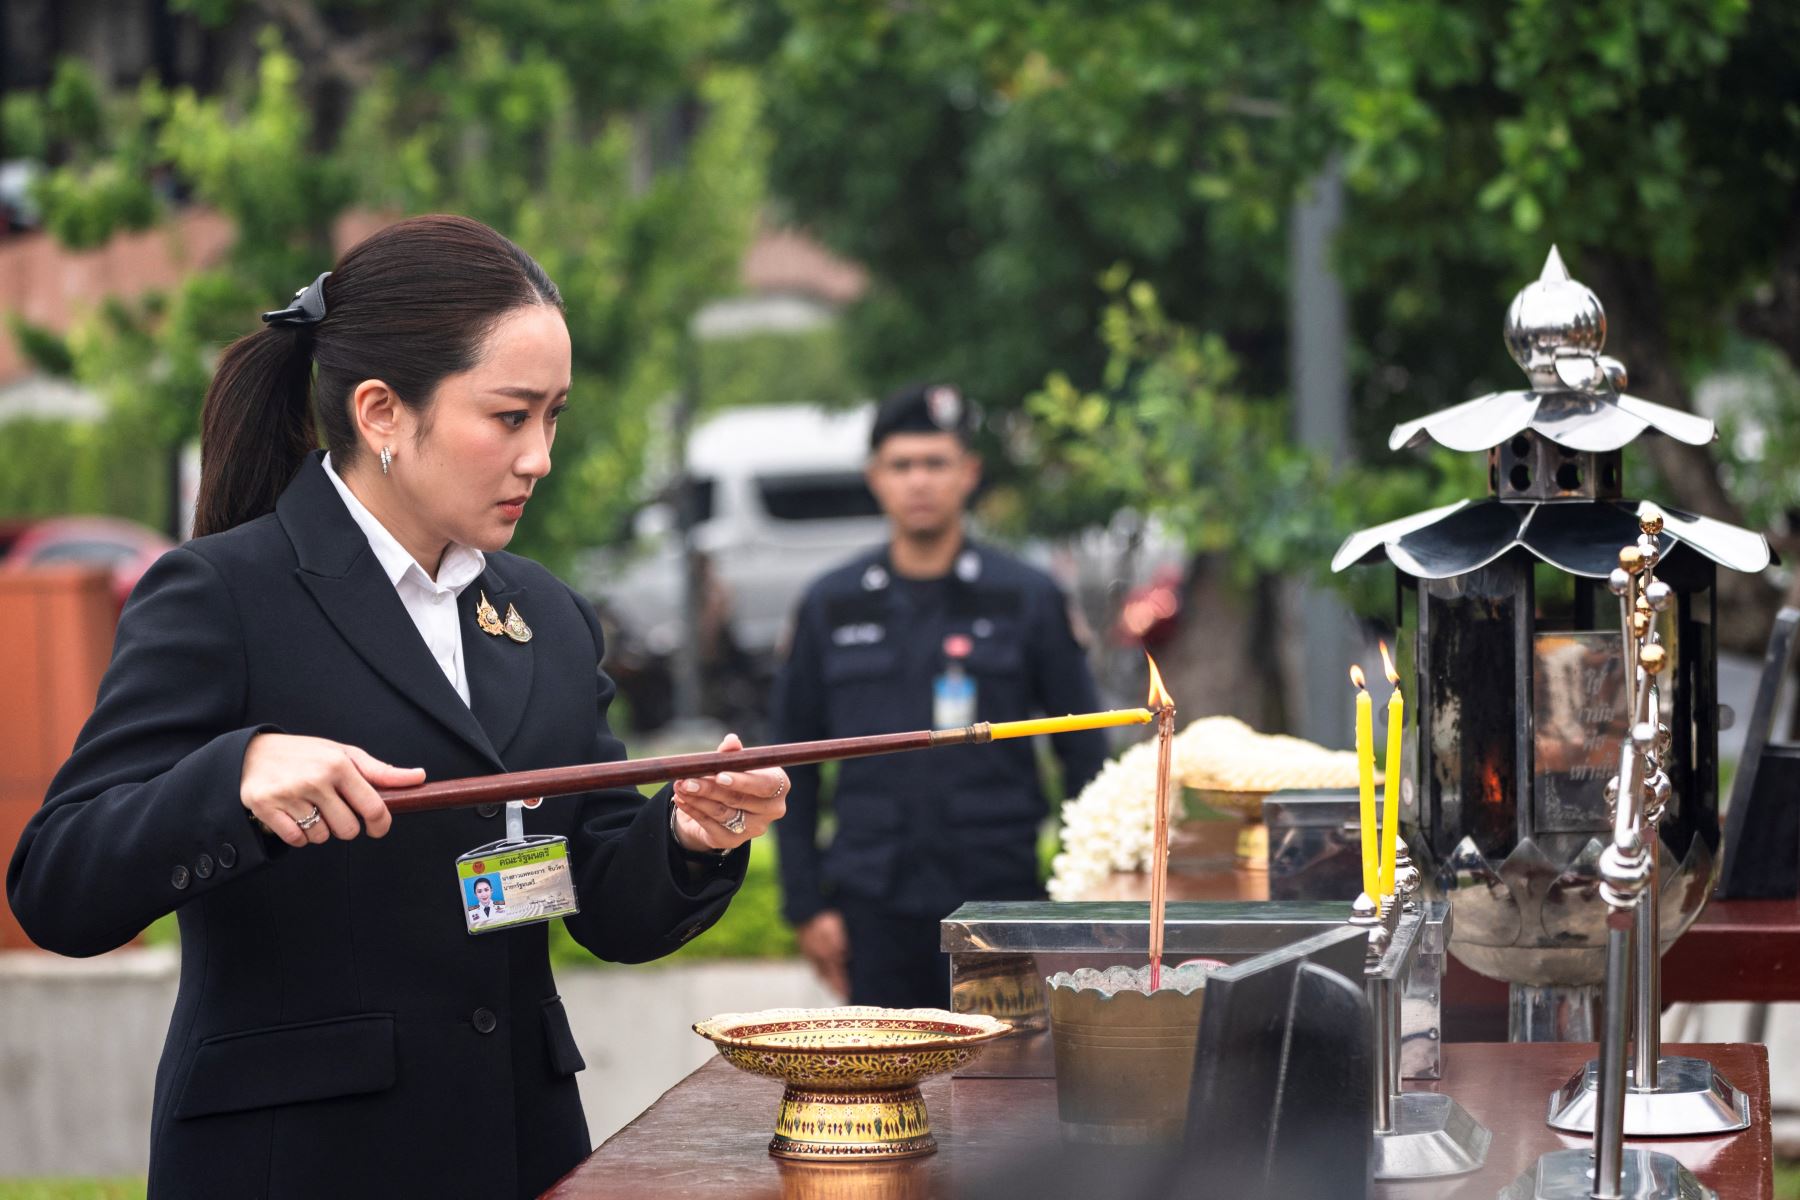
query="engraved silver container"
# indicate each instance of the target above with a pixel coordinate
(1514, 652)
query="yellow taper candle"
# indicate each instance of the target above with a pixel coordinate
(1069, 724)
(1390, 779)
(1365, 782)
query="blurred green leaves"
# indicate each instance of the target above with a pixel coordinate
(1170, 432)
(614, 142)
(244, 154)
(989, 158)
(98, 176)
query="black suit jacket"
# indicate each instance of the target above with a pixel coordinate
(337, 1030)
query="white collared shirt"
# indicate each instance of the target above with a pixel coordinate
(431, 603)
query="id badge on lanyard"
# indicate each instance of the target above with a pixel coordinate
(953, 692)
(518, 880)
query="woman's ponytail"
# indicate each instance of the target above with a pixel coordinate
(256, 427)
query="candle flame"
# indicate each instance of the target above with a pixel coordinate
(1159, 695)
(1356, 677)
(1387, 664)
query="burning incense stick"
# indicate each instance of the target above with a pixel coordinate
(1164, 705)
(563, 781)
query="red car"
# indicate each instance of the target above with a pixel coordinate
(126, 547)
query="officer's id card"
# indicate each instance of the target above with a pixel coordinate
(953, 692)
(952, 701)
(516, 883)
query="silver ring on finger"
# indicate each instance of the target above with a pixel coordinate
(309, 820)
(735, 822)
(781, 789)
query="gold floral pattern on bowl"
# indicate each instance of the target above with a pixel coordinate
(852, 1073)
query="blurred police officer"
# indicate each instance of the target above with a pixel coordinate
(930, 630)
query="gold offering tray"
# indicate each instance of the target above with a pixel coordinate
(852, 1073)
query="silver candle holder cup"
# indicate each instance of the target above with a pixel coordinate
(1418, 1135)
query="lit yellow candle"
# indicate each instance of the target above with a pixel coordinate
(1390, 780)
(1365, 782)
(1070, 724)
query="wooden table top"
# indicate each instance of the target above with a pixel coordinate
(709, 1135)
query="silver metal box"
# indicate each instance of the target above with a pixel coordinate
(1315, 845)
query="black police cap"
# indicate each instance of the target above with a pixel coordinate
(922, 408)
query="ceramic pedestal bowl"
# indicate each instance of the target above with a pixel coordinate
(852, 1073)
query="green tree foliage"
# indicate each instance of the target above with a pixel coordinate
(243, 154)
(1168, 432)
(806, 367)
(609, 140)
(48, 468)
(990, 158)
(98, 182)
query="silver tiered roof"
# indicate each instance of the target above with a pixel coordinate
(1577, 538)
(1555, 330)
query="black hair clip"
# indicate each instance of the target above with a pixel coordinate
(308, 307)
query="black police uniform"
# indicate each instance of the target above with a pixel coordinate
(921, 833)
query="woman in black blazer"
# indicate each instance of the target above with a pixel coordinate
(336, 1017)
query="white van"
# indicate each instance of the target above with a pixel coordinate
(779, 498)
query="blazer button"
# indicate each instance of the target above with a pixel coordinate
(487, 810)
(228, 855)
(484, 1021)
(179, 876)
(203, 866)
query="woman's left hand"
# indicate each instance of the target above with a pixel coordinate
(723, 811)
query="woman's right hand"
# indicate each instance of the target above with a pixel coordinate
(286, 777)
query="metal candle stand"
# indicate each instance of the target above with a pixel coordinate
(1418, 1135)
(1517, 680)
(1612, 1171)
(1664, 1096)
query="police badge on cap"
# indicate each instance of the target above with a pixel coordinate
(944, 405)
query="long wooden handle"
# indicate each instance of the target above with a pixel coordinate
(563, 781)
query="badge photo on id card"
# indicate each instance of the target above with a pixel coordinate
(516, 882)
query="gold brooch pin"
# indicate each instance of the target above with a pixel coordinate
(486, 619)
(516, 628)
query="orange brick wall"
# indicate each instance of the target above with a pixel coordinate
(51, 286)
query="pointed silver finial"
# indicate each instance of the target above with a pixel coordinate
(1554, 271)
(1553, 318)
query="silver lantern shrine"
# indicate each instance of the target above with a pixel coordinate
(1514, 646)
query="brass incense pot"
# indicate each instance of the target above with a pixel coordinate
(852, 1073)
(1125, 1052)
